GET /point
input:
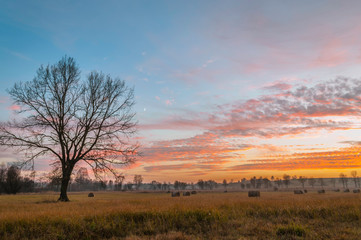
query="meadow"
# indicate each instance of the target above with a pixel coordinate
(208, 215)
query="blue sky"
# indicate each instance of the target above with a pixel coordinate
(197, 67)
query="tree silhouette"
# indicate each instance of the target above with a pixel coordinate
(13, 180)
(286, 179)
(138, 179)
(343, 180)
(354, 177)
(302, 180)
(72, 120)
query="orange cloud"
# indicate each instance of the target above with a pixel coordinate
(341, 159)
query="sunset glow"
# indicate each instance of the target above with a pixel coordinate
(223, 89)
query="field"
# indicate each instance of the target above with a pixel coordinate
(232, 215)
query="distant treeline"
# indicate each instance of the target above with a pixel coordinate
(12, 182)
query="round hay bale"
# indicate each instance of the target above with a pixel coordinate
(297, 192)
(91, 194)
(175, 194)
(254, 194)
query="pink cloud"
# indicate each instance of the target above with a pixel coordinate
(169, 102)
(14, 107)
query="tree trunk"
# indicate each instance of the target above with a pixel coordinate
(64, 184)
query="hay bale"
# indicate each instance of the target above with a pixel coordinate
(336, 190)
(186, 194)
(346, 190)
(254, 194)
(194, 192)
(297, 192)
(356, 191)
(275, 189)
(91, 194)
(175, 194)
(321, 191)
(305, 191)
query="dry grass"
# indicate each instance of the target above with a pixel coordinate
(201, 216)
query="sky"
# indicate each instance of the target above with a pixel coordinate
(223, 89)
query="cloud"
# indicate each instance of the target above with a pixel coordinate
(204, 148)
(326, 106)
(340, 159)
(14, 107)
(169, 102)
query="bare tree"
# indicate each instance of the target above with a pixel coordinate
(119, 183)
(343, 180)
(225, 184)
(354, 177)
(71, 120)
(138, 179)
(286, 179)
(302, 180)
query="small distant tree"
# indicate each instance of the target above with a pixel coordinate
(302, 180)
(286, 179)
(259, 182)
(138, 179)
(266, 182)
(225, 184)
(13, 180)
(119, 183)
(253, 182)
(343, 180)
(2, 178)
(54, 178)
(278, 182)
(165, 186)
(176, 185)
(200, 184)
(354, 177)
(311, 181)
(129, 186)
(82, 179)
(182, 185)
(111, 185)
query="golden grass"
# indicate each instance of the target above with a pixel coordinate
(202, 216)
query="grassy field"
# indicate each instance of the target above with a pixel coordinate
(229, 215)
